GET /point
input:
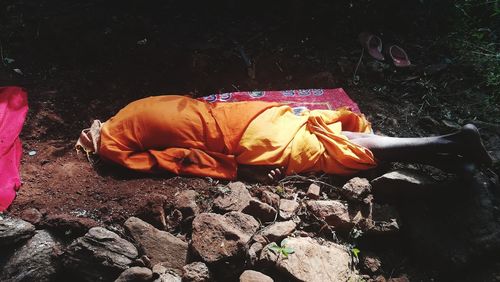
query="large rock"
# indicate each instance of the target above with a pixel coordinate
(260, 210)
(288, 208)
(216, 237)
(278, 230)
(196, 272)
(36, 260)
(356, 189)
(14, 230)
(458, 226)
(100, 255)
(404, 183)
(159, 246)
(185, 201)
(136, 274)
(254, 276)
(236, 199)
(334, 213)
(311, 261)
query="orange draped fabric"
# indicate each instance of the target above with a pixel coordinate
(191, 137)
(311, 142)
(178, 134)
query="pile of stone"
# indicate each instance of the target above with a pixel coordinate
(248, 234)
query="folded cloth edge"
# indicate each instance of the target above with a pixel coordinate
(90, 139)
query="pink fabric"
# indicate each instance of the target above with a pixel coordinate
(312, 99)
(13, 109)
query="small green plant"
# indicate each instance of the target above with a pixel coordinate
(355, 254)
(282, 249)
(280, 190)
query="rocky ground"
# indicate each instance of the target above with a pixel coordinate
(80, 61)
(303, 229)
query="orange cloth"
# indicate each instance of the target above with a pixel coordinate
(310, 142)
(187, 136)
(178, 134)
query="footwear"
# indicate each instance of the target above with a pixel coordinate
(372, 44)
(398, 56)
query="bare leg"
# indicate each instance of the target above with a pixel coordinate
(357, 135)
(466, 143)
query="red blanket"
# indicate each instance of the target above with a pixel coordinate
(13, 109)
(323, 99)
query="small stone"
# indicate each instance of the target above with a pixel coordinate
(288, 208)
(14, 230)
(254, 252)
(165, 274)
(196, 272)
(236, 200)
(34, 261)
(270, 198)
(333, 212)
(135, 274)
(313, 191)
(159, 246)
(185, 201)
(68, 224)
(153, 211)
(259, 238)
(32, 216)
(277, 231)
(371, 263)
(260, 210)
(254, 276)
(356, 189)
(218, 237)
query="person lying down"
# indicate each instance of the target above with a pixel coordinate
(260, 140)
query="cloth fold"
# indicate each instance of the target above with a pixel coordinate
(13, 110)
(310, 142)
(90, 139)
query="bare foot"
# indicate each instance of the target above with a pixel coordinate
(262, 174)
(473, 146)
(276, 174)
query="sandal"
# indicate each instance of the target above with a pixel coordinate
(373, 44)
(398, 56)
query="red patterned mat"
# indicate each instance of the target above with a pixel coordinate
(299, 100)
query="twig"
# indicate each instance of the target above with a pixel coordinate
(279, 67)
(357, 66)
(1, 53)
(292, 179)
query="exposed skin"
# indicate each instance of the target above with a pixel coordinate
(459, 151)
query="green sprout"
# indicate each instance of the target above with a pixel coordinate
(280, 190)
(355, 255)
(282, 249)
(355, 252)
